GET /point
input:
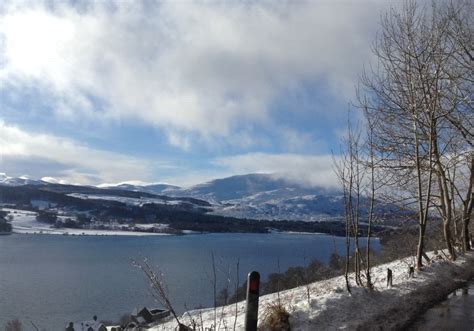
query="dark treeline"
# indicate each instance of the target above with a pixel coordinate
(4, 225)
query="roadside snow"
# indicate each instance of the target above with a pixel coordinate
(330, 307)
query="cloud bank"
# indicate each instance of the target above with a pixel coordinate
(22, 151)
(306, 170)
(199, 71)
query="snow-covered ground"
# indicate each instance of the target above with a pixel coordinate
(331, 307)
(24, 221)
(126, 200)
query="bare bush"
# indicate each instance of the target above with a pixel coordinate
(14, 325)
(276, 317)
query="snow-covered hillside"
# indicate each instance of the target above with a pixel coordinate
(265, 196)
(284, 204)
(271, 197)
(131, 201)
(16, 181)
(331, 307)
(160, 189)
(24, 221)
(252, 196)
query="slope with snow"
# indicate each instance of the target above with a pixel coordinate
(131, 201)
(160, 189)
(17, 181)
(266, 196)
(331, 307)
(24, 222)
(252, 196)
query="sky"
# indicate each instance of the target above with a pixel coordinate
(179, 92)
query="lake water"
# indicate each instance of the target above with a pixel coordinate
(52, 280)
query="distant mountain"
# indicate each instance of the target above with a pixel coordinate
(153, 188)
(243, 186)
(17, 181)
(257, 196)
(252, 196)
(265, 196)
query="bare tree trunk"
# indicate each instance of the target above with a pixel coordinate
(445, 201)
(423, 208)
(466, 234)
(467, 209)
(372, 203)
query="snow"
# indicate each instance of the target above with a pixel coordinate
(24, 221)
(152, 226)
(331, 307)
(126, 200)
(53, 180)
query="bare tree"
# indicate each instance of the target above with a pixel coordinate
(158, 288)
(14, 325)
(355, 169)
(342, 172)
(419, 99)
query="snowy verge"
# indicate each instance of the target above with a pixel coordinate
(330, 307)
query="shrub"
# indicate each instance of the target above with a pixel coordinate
(14, 325)
(276, 317)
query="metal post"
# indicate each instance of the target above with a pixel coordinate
(389, 277)
(251, 312)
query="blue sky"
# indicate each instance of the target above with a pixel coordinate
(180, 91)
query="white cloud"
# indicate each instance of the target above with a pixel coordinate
(307, 170)
(61, 160)
(206, 68)
(77, 163)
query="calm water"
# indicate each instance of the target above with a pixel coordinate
(455, 313)
(51, 280)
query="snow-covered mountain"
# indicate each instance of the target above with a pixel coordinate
(160, 189)
(265, 196)
(256, 196)
(253, 196)
(17, 181)
(271, 197)
(244, 186)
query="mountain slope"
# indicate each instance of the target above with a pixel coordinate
(17, 181)
(264, 196)
(252, 196)
(244, 186)
(153, 188)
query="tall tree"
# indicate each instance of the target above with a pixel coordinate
(355, 169)
(419, 97)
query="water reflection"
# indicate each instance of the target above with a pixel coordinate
(455, 313)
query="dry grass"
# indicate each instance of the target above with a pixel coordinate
(275, 317)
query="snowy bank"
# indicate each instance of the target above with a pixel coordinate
(330, 307)
(25, 222)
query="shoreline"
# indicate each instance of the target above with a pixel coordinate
(116, 233)
(89, 233)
